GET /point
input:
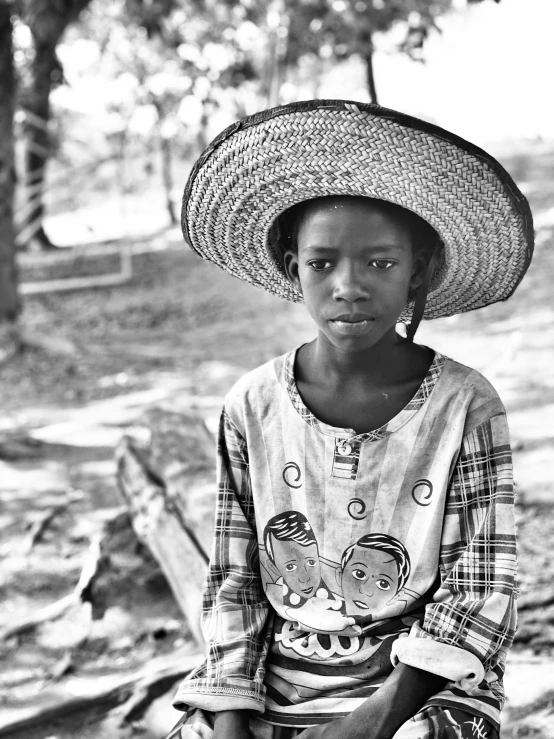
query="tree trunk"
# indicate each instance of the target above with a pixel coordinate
(9, 300)
(37, 109)
(270, 73)
(165, 144)
(47, 21)
(370, 74)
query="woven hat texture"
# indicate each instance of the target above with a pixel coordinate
(263, 164)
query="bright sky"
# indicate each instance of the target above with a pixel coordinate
(488, 77)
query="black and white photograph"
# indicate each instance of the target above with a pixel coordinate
(276, 369)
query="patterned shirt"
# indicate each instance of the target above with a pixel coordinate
(336, 554)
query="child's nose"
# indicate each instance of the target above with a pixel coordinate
(350, 283)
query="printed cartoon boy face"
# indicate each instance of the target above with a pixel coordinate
(293, 552)
(373, 571)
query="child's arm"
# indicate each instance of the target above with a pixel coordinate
(471, 622)
(231, 725)
(399, 698)
(235, 609)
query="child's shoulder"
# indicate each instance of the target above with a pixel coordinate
(466, 377)
(474, 390)
(257, 387)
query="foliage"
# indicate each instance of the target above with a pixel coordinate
(177, 71)
(340, 28)
(165, 66)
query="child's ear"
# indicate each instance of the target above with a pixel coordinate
(338, 575)
(419, 268)
(290, 261)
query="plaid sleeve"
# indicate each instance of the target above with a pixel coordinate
(235, 609)
(473, 617)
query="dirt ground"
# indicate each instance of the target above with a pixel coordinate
(181, 332)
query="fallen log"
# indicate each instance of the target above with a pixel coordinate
(18, 446)
(146, 691)
(40, 526)
(55, 610)
(83, 694)
(62, 667)
(52, 345)
(166, 473)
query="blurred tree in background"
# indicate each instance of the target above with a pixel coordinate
(184, 59)
(340, 29)
(164, 64)
(47, 21)
(9, 301)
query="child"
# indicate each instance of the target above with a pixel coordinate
(366, 475)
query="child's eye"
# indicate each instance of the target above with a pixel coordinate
(383, 584)
(311, 562)
(318, 265)
(359, 574)
(290, 568)
(382, 264)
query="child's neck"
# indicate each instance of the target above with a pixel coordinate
(360, 390)
(385, 359)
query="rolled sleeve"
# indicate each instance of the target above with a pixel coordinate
(473, 615)
(235, 609)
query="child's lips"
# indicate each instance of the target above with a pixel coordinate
(354, 324)
(359, 604)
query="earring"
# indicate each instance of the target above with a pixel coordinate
(402, 329)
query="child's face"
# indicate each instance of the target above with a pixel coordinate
(354, 267)
(298, 566)
(369, 581)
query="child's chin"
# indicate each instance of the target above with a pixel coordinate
(353, 343)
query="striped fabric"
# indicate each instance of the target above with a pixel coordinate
(432, 722)
(329, 545)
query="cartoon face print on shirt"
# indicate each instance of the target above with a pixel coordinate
(293, 561)
(293, 554)
(373, 571)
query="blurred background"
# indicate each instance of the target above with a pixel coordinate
(104, 314)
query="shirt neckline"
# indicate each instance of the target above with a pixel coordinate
(401, 418)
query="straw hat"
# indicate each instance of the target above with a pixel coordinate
(263, 164)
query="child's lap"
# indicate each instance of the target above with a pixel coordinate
(431, 723)
(446, 723)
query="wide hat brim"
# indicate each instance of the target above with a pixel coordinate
(264, 164)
